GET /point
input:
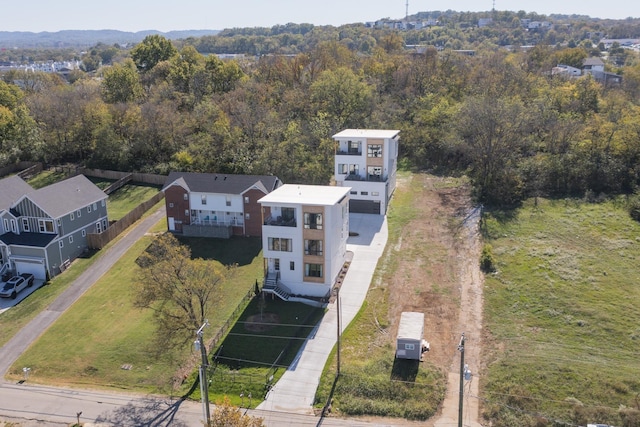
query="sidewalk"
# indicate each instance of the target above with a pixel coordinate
(295, 391)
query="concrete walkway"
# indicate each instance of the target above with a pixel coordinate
(295, 391)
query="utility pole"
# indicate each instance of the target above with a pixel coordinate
(462, 370)
(204, 382)
(339, 328)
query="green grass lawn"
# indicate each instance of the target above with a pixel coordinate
(103, 333)
(123, 200)
(259, 348)
(563, 312)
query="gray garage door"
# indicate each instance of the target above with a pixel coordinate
(34, 267)
(364, 206)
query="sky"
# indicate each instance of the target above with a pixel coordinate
(165, 15)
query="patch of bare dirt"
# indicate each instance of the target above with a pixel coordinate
(438, 274)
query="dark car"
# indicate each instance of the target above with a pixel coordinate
(13, 286)
(28, 277)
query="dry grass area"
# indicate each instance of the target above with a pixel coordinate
(430, 265)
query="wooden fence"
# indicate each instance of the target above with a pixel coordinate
(20, 166)
(100, 240)
(146, 178)
(118, 184)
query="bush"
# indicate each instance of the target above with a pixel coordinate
(634, 207)
(487, 261)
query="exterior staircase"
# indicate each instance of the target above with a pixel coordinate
(272, 285)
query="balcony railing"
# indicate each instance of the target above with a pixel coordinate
(215, 222)
(279, 221)
(369, 178)
(349, 153)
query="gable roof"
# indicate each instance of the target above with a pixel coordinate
(221, 183)
(67, 196)
(592, 61)
(11, 189)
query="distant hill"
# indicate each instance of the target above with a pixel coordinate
(86, 38)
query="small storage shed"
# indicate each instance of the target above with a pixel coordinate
(409, 343)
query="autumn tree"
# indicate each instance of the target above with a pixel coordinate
(178, 289)
(226, 415)
(152, 50)
(120, 83)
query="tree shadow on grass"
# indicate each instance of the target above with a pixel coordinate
(405, 370)
(146, 412)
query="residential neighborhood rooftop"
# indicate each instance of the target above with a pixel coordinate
(221, 182)
(11, 189)
(367, 133)
(306, 194)
(66, 196)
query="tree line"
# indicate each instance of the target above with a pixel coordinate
(499, 116)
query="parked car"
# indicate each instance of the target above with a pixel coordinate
(13, 286)
(29, 278)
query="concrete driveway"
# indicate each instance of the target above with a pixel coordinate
(7, 303)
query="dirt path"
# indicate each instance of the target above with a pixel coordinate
(440, 276)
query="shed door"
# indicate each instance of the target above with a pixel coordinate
(172, 224)
(34, 267)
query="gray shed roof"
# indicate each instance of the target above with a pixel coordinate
(220, 183)
(12, 189)
(67, 196)
(411, 325)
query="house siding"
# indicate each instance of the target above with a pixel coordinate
(175, 195)
(253, 224)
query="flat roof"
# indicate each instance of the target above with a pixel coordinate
(411, 325)
(306, 194)
(367, 133)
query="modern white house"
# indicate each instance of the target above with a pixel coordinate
(366, 160)
(304, 239)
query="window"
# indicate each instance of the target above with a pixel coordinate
(374, 172)
(71, 216)
(313, 221)
(186, 212)
(375, 193)
(84, 233)
(288, 214)
(247, 216)
(313, 270)
(364, 193)
(102, 203)
(292, 265)
(354, 147)
(185, 196)
(25, 225)
(353, 192)
(343, 168)
(313, 247)
(276, 264)
(409, 346)
(98, 227)
(61, 243)
(228, 200)
(374, 150)
(246, 199)
(354, 169)
(95, 206)
(45, 225)
(279, 244)
(170, 205)
(89, 209)
(203, 199)
(70, 239)
(6, 224)
(78, 213)
(59, 221)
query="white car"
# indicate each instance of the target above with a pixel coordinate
(13, 286)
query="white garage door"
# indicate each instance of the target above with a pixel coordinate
(34, 267)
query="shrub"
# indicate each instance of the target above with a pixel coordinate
(487, 261)
(634, 207)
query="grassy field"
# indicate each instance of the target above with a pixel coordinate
(104, 341)
(563, 314)
(128, 197)
(372, 381)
